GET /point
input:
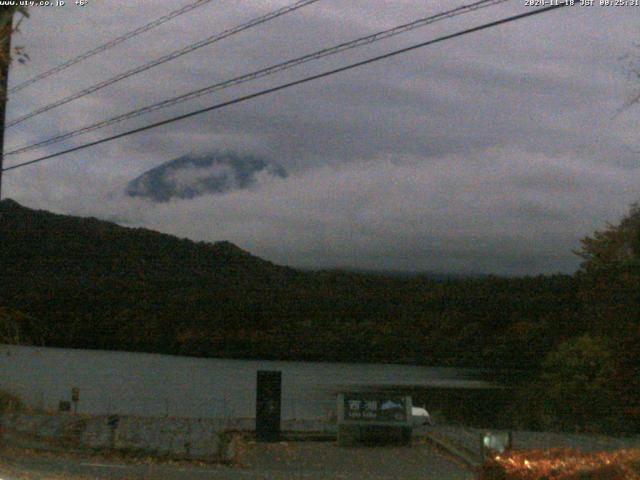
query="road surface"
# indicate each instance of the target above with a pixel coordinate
(277, 461)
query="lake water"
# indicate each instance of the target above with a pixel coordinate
(156, 385)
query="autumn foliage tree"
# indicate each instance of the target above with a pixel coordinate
(626, 384)
(610, 277)
(16, 328)
(7, 27)
(592, 381)
(577, 376)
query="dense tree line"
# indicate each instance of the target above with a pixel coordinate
(91, 284)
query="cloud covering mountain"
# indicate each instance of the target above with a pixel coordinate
(193, 175)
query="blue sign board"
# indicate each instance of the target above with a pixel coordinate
(374, 409)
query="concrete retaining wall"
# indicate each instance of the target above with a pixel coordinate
(203, 439)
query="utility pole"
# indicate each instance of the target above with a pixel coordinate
(5, 59)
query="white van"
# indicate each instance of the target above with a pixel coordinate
(420, 417)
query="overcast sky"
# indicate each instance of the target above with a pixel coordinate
(494, 152)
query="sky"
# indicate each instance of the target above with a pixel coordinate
(495, 152)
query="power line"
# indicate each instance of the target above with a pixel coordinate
(294, 83)
(263, 72)
(112, 43)
(165, 58)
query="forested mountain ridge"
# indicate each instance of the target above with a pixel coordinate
(94, 284)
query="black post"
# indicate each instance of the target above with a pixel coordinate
(268, 405)
(4, 83)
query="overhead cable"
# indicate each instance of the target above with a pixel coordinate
(110, 44)
(262, 73)
(292, 84)
(164, 59)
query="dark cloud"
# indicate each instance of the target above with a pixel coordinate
(494, 152)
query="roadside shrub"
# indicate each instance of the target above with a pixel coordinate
(10, 402)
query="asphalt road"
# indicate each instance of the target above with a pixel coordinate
(287, 460)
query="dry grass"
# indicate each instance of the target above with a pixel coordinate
(13, 461)
(105, 457)
(563, 464)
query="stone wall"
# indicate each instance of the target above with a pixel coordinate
(203, 439)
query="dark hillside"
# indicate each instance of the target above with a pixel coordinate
(94, 284)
